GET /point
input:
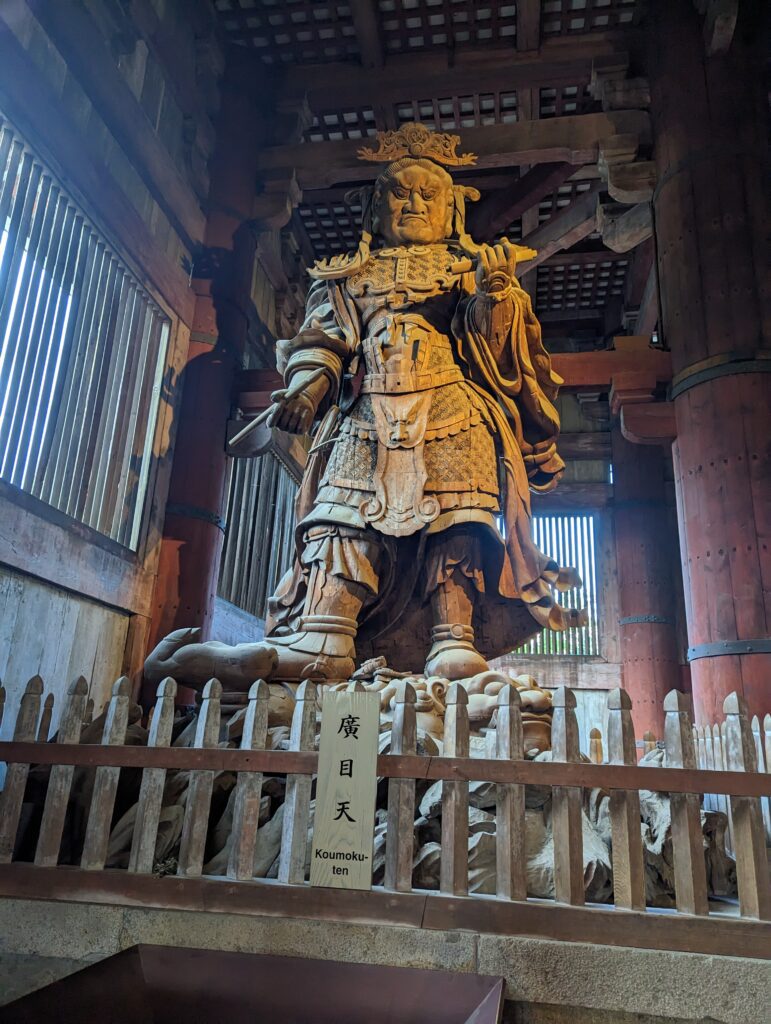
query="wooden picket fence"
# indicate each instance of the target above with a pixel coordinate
(509, 911)
(710, 742)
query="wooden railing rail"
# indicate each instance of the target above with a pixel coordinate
(391, 766)
(567, 775)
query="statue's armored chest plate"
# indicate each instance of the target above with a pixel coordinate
(404, 275)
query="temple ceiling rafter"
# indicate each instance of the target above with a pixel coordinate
(539, 89)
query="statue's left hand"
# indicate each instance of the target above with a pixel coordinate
(496, 266)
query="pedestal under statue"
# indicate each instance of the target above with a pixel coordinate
(421, 362)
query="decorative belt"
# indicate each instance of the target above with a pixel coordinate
(399, 383)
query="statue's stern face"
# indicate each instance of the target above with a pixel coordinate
(415, 208)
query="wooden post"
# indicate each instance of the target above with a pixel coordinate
(710, 216)
(294, 831)
(706, 758)
(12, 796)
(649, 741)
(566, 816)
(722, 802)
(194, 828)
(400, 836)
(749, 836)
(45, 719)
(628, 863)
(193, 530)
(88, 712)
(453, 874)
(142, 856)
(106, 780)
(760, 752)
(595, 746)
(510, 854)
(246, 806)
(687, 838)
(60, 778)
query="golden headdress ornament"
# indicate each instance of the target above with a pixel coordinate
(417, 141)
(411, 142)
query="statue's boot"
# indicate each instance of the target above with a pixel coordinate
(453, 654)
(193, 664)
(323, 647)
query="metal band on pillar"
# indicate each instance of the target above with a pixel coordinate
(726, 647)
(628, 620)
(727, 365)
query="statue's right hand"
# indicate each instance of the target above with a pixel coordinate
(294, 407)
(294, 415)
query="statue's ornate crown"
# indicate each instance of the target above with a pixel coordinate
(417, 141)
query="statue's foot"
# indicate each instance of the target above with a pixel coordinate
(194, 664)
(323, 651)
(453, 654)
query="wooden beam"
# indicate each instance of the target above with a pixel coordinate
(624, 229)
(497, 210)
(594, 371)
(40, 541)
(586, 257)
(392, 766)
(33, 106)
(637, 278)
(573, 139)
(440, 72)
(528, 24)
(648, 313)
(560, 316)
(590, 444)
(74, 33)
(571, 494)
(564, 229)
(365, 21)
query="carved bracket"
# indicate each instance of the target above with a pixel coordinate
(652, 423)
(278, 196)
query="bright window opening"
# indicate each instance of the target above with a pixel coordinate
(571, 541)
(82, 352)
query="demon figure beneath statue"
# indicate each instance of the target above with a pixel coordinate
(421, 359)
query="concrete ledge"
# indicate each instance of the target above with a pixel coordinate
(41, 940)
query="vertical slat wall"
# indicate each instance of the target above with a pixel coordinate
(82, 351)
(570, 540)
(259, 538)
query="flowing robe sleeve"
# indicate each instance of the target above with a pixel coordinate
(500, 345)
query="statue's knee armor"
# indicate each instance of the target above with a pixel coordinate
(343, 553)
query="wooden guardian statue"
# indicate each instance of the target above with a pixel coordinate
(413, 536)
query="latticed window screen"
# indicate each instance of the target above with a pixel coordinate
(570, 541)
(259, 538)
(82, 351)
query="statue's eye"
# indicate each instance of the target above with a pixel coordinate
(400, 193)
(429, 193)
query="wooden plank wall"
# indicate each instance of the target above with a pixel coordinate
(59, 636)
(121, 107)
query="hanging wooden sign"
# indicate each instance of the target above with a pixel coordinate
(344, 821)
